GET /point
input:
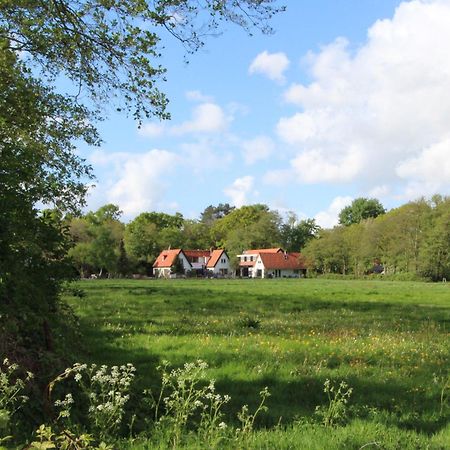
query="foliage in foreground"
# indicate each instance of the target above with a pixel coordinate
(186, 413)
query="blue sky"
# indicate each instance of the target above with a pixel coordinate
(347, 99)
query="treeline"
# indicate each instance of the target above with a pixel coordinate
(103, 244)
(411, 241)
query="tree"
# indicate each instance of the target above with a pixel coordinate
(96, 238)
(360, 209)
(38, 165)
(109, 49)
(435, 251)
(212, 213)
(295, 234)
(123, 263)
(251, 226)
(196, 235)
(177, 266)
(150, 232)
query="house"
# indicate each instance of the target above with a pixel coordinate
(219, 263)
(271, 263)
(197, 259)
(248, 259)
(201, 262)
(165, 263)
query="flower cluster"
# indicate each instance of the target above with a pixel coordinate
(107, 391)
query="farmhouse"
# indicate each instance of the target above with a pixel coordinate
(271, 263)
(203, 262)
(166, 260)
(219, 263)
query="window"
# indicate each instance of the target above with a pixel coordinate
(223, 260)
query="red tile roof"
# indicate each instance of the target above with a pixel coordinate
(167, 258)
(263, 250)
(215, 256)
(255, 252)
(282, 261)
(196, 253)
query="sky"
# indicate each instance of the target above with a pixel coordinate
(347, 99)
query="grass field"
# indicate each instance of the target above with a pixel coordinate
(389, 341)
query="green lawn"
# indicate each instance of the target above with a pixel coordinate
(390, 341)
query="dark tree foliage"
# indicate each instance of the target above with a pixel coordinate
(360, 209)
(295, 234)
(178, 267)
(38, 164)
(212, 213)
(123, 263)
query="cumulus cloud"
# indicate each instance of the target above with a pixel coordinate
(152, 129)
(272, 65)
(330, 217)
(206, 118)
(205, 156)
(138, 181)
(378, 115)
(197, 96)
(257, 149)
(239, 190)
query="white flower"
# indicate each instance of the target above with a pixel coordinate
(222, 425)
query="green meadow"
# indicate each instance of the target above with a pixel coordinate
(389, 341)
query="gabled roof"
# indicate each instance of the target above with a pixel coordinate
(196, 253)
(167, 258)
(263, 250)
(258, 252)
(215, 256)
(282, 261)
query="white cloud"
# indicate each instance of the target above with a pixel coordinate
(205, 156)
(239, 190)
(433, 163)
(197, 96)
(378, 115)
(272, 65)
(138, 182)
(314, 166)
(379, 191)
(257, 149)
(279, 177)
(206, 118)
(152, 129)
(330, 217)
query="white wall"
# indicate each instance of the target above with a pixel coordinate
(221, 265)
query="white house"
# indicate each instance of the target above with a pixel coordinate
(203, 262)
(162, 267)
(271, 263)
(219, 263)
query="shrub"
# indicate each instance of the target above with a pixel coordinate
(336, 411)
(11, 396)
